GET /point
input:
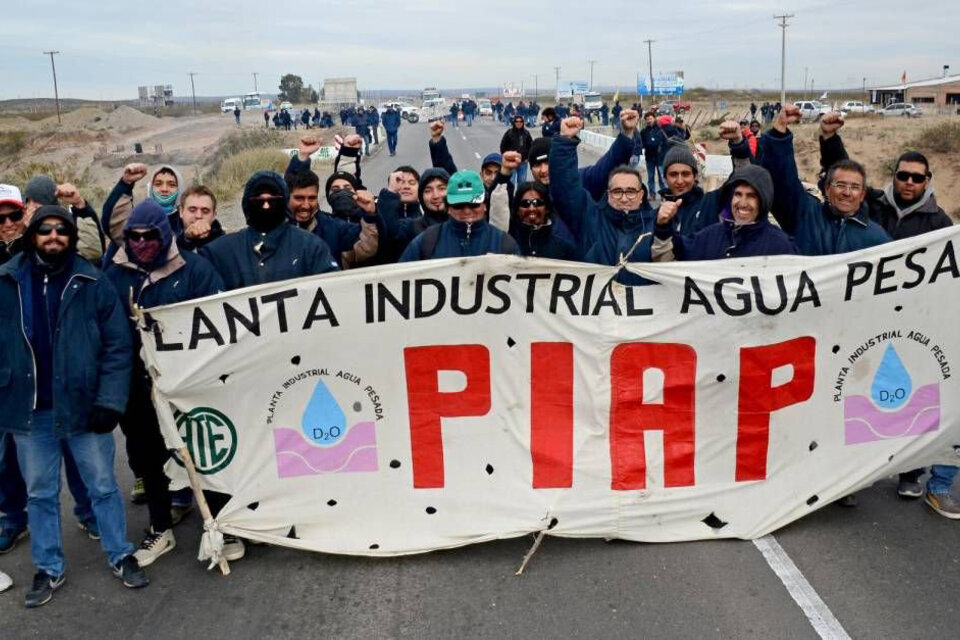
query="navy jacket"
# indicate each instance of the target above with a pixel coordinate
(815, 227)
(400, 228)
(603, 234)
(542, 242)
(726, 240)
(391, 120)
(186, 277)
(247, 257)
(459, 240)
(92, 351)
(651, 138)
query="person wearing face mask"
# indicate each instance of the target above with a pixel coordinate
(69, 355)
(269, 249)
(743, 231)
(151, 270)
(466, 231)
(164, 188)
(617, 227)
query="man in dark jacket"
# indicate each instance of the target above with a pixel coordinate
(197, 224)
(402, 229)
(152, 271)
(619, 226)
(517, 138)
(840, 224)
(69, 357)
(651, 139)
(391, 124)
(11, 222)
(466, 232)
(743, 231)
(269, 249)
(551, 123)
(529, 221)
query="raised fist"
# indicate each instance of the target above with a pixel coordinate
(730, 130)
(436, 129)
(353, 140)
(133, 172)
(511, 161)
(365, 201)
(830, 124)
(668, 209)
(629, 121)
(308, 146)
(789, 114)
(571, 126)
(69, 194)
(197, 229)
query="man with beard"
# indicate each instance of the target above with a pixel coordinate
(70, 356)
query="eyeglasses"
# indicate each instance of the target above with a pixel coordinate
(13, 216)
(915, 178)
(532, 202)
(47, 228)
(843, 186)
(624, 193)
(142, 236)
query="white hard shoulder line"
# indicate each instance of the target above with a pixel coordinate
(818, 613)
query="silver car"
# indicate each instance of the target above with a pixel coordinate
(905, 109)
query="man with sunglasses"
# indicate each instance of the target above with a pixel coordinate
(11, 222)
(517, 138)
(69, 357)
(906, 206)
(840, 224)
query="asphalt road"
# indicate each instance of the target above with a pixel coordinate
(885, 569)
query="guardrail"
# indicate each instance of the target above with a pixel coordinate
(715, 165)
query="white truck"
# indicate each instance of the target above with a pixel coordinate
(339, 92)
(228, 105)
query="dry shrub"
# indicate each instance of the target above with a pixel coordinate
(232, 172)
(83, 179)
(943, 137)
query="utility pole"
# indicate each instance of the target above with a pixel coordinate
(193, 90)
(56, 92)
(536, 86)
(256, 89)
(865, 91)
(650, 63)
(591, 63)
(783, 55)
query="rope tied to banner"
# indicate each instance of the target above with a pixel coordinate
(625, 257)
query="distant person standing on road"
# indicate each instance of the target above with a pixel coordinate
(391, 124)
(615, 112)
(374, 118)
(266, 119)
(651, 139)
(454, 113)
(236, 114)
(517, 138)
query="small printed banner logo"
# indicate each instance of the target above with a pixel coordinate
(210, 437)
(893, 409)
(325, 443)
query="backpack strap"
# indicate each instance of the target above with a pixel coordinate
(429, 243)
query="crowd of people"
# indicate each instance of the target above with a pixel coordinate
(70, 275)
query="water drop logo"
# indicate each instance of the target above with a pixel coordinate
(893, 409)
(326, 441)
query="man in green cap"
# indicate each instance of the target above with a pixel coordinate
(466, 232)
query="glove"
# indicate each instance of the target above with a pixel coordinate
(103, 420)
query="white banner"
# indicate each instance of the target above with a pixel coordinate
(442, 403)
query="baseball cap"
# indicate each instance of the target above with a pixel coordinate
(465, 187)
(9, 194)
(492, 158)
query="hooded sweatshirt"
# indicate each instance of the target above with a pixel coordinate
(119, 205)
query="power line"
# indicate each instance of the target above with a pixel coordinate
(56, 92)
(783, 55)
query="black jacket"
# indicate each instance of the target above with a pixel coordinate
(517, 140)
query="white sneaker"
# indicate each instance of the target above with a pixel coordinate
(233, 548)
(5, 582)
(154, 546)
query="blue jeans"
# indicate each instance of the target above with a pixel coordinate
(653, 171)
(39, 454)
(941, 478)
(392, 141)
(13, 493)
(520, 174)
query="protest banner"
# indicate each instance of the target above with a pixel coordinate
(428, 405)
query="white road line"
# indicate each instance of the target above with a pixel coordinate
(476, 154)
(463, 136)
(802, 592)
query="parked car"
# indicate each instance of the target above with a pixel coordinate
(485, 107)
(228, 105)
(811, 109)
(671, 107)
(407, 111)
(855, 106)
(286, 105)
(904, 109)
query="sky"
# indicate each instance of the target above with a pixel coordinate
(108, 48)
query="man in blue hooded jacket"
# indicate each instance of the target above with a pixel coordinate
(391, 124)
(68, 363)
(150, 270)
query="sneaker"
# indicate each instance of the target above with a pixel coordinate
(909, 489)
(130, 573)
(42, 590)
(90, 528)
(946, 504)
(179, 511)
(9, 539)
(138, 494)
(5, 582)
(848, 501)
(154, 546)
(233, 548)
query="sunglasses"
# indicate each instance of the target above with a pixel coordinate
(915, 178)
(13, 216)
(47, 228)
(532, 202)
(143, 236)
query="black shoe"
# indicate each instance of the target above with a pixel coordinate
(42, 590)
(130, 573)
